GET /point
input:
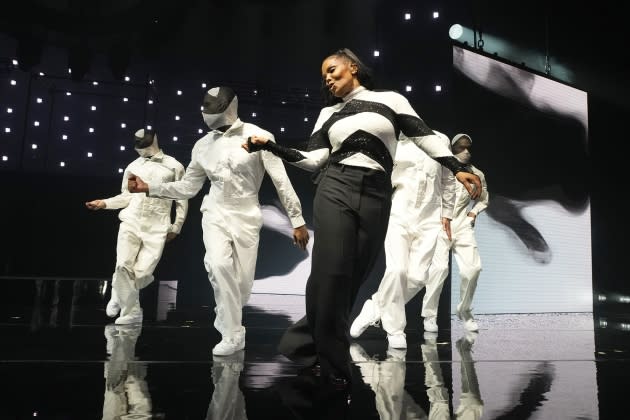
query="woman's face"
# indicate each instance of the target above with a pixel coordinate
(339, 75)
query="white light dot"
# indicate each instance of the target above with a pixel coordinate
(13, 82)
(9, 110)
(377, 53)
(407, 16)
(125, 99)
(127, 78)
(255, 91)
(174, 138)
(95, 83)
(436, 15)
(201, 107)
(7, 130)
(36, 123)
(150, 101)
(69, 70)
(123, 125)
(408, 88)
(66, 118)
(179, 92)
(176, 117)
(282, 129)
(64, 137)
(62, 164)
(120, 171)
(39, 100)
(284, 102)
(15, 62)
(151, 81)
(305, 119)
(5, 158)
(438, 88)
(122, 148)
(203, 85)
(254, 114)
(41, 73)
(89, 154)
(93, 108)
(200, 131)
(91, 130)
(68, 93)
(149, 127)
(33, 146)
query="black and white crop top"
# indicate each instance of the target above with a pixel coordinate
(363, 130)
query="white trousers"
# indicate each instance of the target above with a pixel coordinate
(227, 402)
(408, 255)
(138, 251)
(434, 382)
(464, 246)
(231, 232)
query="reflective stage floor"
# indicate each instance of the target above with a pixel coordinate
(62, 358)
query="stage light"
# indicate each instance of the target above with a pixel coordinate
(176, 117)
(407, 16)
(255, 91)
(41, 73)
(5, 158)
(89, 154)
(203, 85)
(284, 102)
(93, 108)
(120, 171)
(306, 95)
(33, 146)
(282, 129)
(377, 53)
(36, 123)
(123, 125)
(122, 148)
(69, 70)
(179, 92)
(68, 93)
(66, 118)
(408, 88)
(125, 99)
(150, 101)
(174, 138)
(438, 88)
(436, 15)
(149, 127)
(127, 78)
(200, 131)
(62, 164)
(13, 82)
(15, 62)
(254, 114)
(95, 83)
(9, 110)
(64, 137)
(305, 119)
(91, 130)
(39, 100)
(7, 129)
(456, 31)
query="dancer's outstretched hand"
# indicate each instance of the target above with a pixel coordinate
(95, 204)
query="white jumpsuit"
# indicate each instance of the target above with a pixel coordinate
(424, 193)
(232, 218)
(464, 246)
(144, 223)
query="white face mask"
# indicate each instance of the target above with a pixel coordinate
(211, 119)
(464, 156)
(225, 118)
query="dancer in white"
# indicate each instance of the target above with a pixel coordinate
(422, 207)
(462, 242)
(145, 226)
(232, 217)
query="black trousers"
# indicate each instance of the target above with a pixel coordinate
(351, 213)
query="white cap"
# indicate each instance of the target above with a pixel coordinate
(459, 136)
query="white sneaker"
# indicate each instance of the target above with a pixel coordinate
(133, 318)
(430, 324)
(231, 345)
(468, 319)
(397, 341)
(113, 308)
(369, 316)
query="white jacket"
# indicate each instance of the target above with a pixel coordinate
(151, 214)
